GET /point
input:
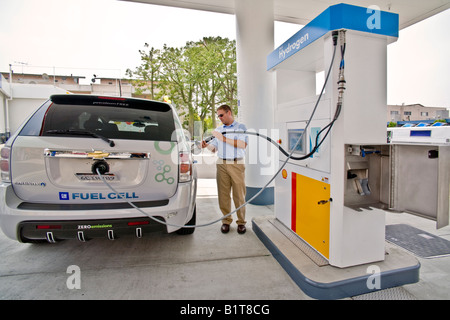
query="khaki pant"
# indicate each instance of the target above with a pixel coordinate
(231, 177)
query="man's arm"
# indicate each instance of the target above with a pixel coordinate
(235, 143)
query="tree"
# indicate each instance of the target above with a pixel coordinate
(227, 73)
(146, 76)
(209, 68)
(178, 80)
(196, 77)
(215, 72)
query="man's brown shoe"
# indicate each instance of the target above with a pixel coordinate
(241, 229)
(225, 228)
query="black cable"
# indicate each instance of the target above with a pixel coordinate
(289, 156)
(329, 126)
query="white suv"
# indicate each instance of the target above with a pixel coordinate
(55, 166)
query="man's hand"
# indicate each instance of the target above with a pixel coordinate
(208, 146)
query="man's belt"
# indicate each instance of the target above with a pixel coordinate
(235, 159)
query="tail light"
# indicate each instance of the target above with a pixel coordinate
(4, 164)
(138, 223)
(185, 166)
(48, 226)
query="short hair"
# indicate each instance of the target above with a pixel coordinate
(225, 107)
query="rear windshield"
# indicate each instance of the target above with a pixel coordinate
(138, 121)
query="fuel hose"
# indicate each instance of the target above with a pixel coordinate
(289, 155)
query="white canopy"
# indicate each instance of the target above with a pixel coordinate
(303, 11)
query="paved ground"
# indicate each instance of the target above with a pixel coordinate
(434, 281)
(206, 265)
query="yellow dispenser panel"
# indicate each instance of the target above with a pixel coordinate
(311, 212)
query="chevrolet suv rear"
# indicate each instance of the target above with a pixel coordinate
(72, 169)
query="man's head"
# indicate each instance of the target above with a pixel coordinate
(225, 114)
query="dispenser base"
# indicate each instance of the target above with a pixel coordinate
(323, 281)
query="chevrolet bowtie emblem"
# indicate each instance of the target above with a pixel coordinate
(98, 154)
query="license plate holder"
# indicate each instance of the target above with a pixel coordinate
(91, 177)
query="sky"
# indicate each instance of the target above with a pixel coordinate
(83, 37)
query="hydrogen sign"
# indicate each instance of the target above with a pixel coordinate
(340, 16)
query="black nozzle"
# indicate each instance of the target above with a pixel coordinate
(101, 166)
(335, 35)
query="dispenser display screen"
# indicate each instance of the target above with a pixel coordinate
(293, 136)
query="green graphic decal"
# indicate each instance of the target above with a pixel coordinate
(160, 177)
(165, 152)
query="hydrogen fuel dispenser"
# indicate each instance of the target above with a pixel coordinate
(332, 198)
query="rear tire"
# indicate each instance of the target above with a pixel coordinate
(184, 231)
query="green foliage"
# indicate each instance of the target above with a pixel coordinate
(197, 78)
(147, 73)
(392, 124)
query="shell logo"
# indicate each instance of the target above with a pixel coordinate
(284, 174)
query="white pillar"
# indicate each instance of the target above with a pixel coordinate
(255, 41)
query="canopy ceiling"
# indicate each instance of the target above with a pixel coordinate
(303, 11)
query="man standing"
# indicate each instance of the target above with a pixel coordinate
(230, 166)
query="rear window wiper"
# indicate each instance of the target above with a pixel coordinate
(82, 133)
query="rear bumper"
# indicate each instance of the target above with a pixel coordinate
(53, 231)
(16, 219)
